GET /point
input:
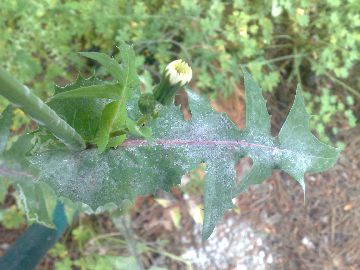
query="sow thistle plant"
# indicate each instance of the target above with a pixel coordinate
(103, 143)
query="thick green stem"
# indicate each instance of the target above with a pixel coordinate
(21, 96)
(164, 92)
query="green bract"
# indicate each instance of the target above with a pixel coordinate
(147, 103)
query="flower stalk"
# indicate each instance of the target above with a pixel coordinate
(22, 97)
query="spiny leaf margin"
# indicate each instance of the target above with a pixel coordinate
(140, 167)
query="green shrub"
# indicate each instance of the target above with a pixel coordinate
(272, 38)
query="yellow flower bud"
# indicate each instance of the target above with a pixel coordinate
(179, 72)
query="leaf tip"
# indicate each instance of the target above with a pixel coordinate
(299, 94)
(206, 232)
(102, 143)
(246, 74)
(82, 53)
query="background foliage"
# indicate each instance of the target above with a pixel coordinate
(313, 42)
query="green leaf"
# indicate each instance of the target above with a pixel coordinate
(115, 115)
(140, 167)
(106, 124)
(109, 63)
(116, 141)
(38, 201)
(5, 123)
(128, 76)
(83, 114)
(257, 117)
(13, 162)
(129, 80)
(305, 152)
(91, 116)
(124, 73)
(144, 132)
(107, 90)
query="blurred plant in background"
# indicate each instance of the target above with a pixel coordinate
(302, 41)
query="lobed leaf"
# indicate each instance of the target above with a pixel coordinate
(82, 103)
(37, 199)
(109, 63)
(115, 115)
(307, 153)
(106, 90)
(128, 75)
(140, 167)
(83, 114)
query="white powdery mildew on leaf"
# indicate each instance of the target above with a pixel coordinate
(78, 176)
(139, 167)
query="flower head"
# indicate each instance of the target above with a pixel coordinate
(179, 72)
(176, 75)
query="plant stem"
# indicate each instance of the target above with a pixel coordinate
(22, 97)
(277, 59)
(347, 87)
(111, 237)
(335, 80)
(123, 224)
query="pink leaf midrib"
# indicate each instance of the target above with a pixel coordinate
(179, 142)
